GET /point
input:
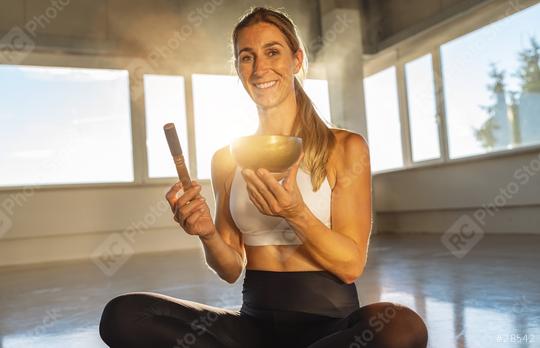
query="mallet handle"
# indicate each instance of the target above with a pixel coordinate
(176, 152)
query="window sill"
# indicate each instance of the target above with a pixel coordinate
(480, 157)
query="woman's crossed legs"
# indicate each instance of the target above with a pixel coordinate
(377, 325)
(144, 319)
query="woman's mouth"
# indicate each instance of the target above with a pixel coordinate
(265, 85)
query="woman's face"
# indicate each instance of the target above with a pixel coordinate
(265, 64)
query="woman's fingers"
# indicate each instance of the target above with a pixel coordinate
(171, 194)
(189, 195)
(184, 211)
(192, 219)
(255, 202)
(187, 208)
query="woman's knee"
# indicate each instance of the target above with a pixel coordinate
(116, 315)
(408, 329)
(395, 325)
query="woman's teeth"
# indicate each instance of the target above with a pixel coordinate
(266, 84)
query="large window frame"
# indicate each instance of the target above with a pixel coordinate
(429, 43)
(416, 46)
(42, 59)
(137, 68)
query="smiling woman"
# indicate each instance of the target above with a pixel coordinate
(303, 242)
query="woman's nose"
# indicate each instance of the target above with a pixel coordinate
(260, 65)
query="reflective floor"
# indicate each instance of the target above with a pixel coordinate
(488, 298)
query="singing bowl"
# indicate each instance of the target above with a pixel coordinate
(275, 153)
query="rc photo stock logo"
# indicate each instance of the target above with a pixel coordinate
(462, 236)
(159, 55)
(137, 68)
(117, 248)
(112, 254)
(19, 42)
(15, 46)
(8, 206)
(467, 231)
(5, 223)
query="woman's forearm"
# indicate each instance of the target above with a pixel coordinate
(334, 251)
(223, 259)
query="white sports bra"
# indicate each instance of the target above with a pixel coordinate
(260, 229)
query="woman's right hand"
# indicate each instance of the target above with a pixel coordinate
(191, 211)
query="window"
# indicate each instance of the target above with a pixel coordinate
(492, 86)
(422, 109)
(64, 126)
(384, 132)
(164, 100)
(223, 111)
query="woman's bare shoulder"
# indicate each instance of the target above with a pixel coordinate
(347, 140)
(342, 132)
(350, 147)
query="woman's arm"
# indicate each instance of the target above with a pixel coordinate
(224, 250)
(342, 250)
(222, 258)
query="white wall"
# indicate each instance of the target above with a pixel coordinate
(500, 193)
(61, 224)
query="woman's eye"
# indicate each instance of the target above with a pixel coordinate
(245, 58)
(273, 52)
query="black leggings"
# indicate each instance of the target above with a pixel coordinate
(143, 319)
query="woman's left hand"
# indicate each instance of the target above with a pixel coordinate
(271, 197)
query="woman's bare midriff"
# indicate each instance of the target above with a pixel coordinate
(279, 258)
(286, 258)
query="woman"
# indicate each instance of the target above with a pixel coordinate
(303, 241)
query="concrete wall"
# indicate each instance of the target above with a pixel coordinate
(170, 35)
(390, 21)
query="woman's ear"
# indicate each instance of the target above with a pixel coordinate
(299, 58)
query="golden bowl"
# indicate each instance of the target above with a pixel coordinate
(275, 153)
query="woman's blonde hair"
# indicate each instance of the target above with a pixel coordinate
(317, 138)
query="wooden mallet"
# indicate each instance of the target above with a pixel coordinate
(176, 152)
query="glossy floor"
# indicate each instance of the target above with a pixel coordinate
(490, 297)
